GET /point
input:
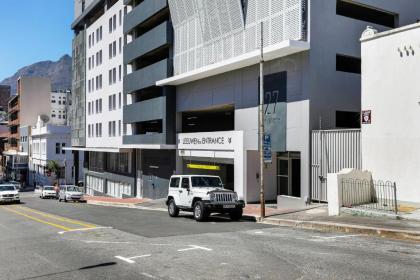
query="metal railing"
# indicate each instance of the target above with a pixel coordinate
(369, 195)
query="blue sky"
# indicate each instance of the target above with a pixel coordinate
(33, 30)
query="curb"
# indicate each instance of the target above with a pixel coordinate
(347, 228)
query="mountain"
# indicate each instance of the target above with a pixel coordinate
(59, 72)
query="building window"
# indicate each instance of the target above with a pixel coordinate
(110, 50)
(348, 64)
(57, 148)
(114, 102)
(347, 119)
(63, 145)
(120, 17)
(366, 13)
(119, 128)
(119, 45)
(110, 25)
(119, 100)
(114, 49)
(119, 73)
(114, 23)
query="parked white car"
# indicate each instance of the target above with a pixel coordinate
(202, 195)
(70, 193)
(9, 193)
(48, 192)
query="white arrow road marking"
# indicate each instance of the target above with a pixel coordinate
(130, 260)
(195, 247)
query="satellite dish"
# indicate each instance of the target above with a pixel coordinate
(45, 118)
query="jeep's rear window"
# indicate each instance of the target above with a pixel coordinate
(49, 188)
(174, 183)
(203, 182)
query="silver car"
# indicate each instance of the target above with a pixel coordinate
(70, 193)
(9, 193)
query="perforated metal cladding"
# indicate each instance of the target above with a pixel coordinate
(210, 31)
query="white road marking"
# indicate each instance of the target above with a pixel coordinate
(148, 275)
(82, 229)
(195, 247)
(106, 242)
(258, 232)
(130, 260)
(337, 236)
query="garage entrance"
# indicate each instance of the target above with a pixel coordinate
(224, 170)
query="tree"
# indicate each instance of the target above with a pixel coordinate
(54, 167)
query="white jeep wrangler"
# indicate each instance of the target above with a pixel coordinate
(202, 195)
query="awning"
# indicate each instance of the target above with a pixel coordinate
(282, 49)
(104, 150)
(151, 147)
(14, 153)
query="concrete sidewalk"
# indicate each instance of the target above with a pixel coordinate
(318, 219)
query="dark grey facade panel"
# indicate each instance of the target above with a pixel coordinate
(152, 109)
(142, 12)
(145, 139)
(158, 37)
(77, 115)
(146, 77)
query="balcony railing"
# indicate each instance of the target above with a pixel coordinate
(153, 109)
(147, 77)
(142, 12)
(159, 36)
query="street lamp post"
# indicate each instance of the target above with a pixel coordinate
(261, 125)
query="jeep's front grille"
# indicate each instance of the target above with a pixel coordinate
(225, 197)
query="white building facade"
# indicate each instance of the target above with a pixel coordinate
(47, 142)
(391, 108)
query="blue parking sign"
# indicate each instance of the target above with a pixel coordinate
(267, 148)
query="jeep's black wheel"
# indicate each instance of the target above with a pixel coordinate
(236, 215)
(173, 211)
(200, 213)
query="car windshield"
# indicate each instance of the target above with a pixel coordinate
(49, 188)
(203, 182)
(7, 188)
(72, 189)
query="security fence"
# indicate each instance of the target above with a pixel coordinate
(369, 195)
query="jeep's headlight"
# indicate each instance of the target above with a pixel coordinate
(235, 196)
(212, 197)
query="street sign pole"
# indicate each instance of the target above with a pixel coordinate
(261, 125)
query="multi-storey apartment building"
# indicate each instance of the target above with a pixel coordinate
(150, 115)
(23, 113)
(4, 97)
(311, 81)
(59, 106)
(209, 124)
(98, 79)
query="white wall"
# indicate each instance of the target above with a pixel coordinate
(330, 34)
(107, 64)
(390, 89)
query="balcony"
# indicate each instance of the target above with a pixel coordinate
(142, 12)
(147, 77)
(158, 37)
(152, 109)
(147, 139)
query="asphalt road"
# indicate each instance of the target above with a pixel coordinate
(45, 239)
